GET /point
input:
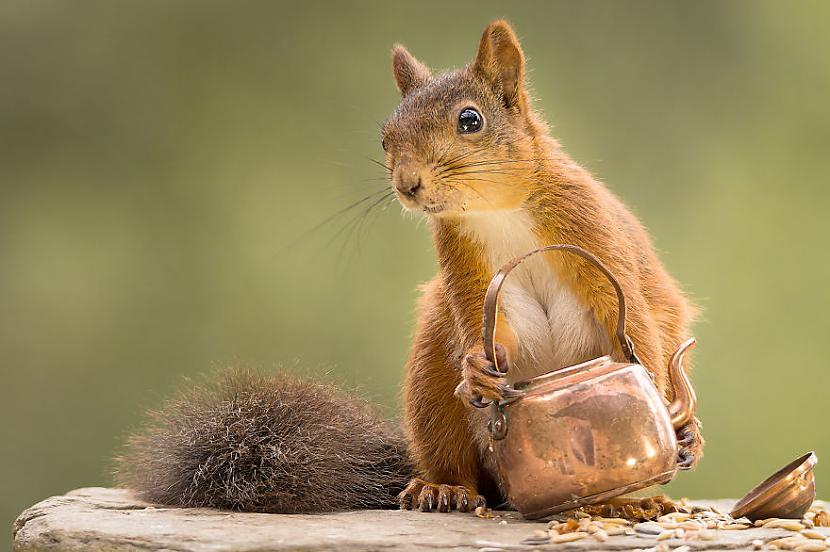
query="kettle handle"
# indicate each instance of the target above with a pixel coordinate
(491, 300)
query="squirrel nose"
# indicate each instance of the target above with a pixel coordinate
(409, 184)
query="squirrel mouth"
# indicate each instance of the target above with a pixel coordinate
(432, 209)
(418, 204)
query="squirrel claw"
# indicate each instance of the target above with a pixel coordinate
(685, 460)
(430, 497)
(444, 499)
(481, 382)
(493, 372)
(426, 500)
(406, 500)
(508, 393)
(479, 402)
(690, 445)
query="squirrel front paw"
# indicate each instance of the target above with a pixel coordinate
(481, 382)
(690, 443)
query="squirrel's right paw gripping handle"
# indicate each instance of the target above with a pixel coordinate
(483, 377)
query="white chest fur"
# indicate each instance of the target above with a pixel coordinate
(555, 329)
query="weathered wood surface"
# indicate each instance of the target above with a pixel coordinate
(113, 520)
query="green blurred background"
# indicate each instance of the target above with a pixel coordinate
(162, 165)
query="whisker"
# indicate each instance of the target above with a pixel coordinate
(479, 194)
(442, 158)
(461, 156)
(467, 185)
(378, 163)
(480, 175)
(475, 178)
(506, 171)
(333, 218)
(354, 228)
(348, 208)
(461, 162)
(487, 162)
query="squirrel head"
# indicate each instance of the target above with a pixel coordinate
(466, 140)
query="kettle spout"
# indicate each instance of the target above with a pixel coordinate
(682, 408)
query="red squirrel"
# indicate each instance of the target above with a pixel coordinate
(466, 148)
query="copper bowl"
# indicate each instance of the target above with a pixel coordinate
(788, 493)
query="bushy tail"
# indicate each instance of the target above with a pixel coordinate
(257, 442)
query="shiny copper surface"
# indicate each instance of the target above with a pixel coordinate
(589, 432)
(788, 493)
(682, 408)
(601, 428)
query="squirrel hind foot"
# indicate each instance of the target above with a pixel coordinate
(429, 497)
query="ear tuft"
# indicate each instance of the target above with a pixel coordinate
(501, 62)
(409, 72)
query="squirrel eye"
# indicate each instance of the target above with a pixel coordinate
(469, 120)
(383, 144)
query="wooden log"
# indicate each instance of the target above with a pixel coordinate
(113, 520)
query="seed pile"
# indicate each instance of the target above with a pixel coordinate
(805, 538)
(677, 531)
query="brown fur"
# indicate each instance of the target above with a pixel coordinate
(512, 164)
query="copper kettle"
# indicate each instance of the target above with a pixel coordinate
(586, 433)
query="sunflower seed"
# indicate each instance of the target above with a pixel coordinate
(691, 524)
(614, 521)
(789, 524)
(649, 528)
(734, 527)
(706, 535)
(675, 516)
(600, 535)
(788, 543)
(812, 546)
(568, 537)
(668, 524)
(484, 512)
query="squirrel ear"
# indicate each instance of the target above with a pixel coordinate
(501, 62)
(409, 72)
